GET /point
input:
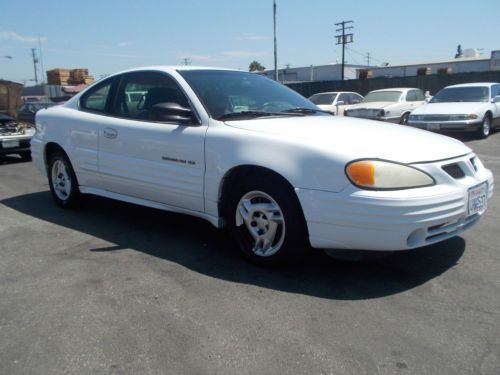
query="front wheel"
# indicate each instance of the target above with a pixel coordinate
(484, 130)
(62, 181)
(266, 220)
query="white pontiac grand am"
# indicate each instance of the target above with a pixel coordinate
(243, 151)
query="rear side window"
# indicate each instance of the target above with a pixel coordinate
(97, 98)
(411, 96)
(495, 90)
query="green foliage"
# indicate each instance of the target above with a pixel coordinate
(256, 66)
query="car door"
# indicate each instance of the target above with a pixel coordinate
(153, 160)
(82, 140)
(414, 99)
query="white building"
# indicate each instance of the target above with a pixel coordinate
(330, 72)
(459, 65)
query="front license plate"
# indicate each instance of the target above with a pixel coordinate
(477, 198)
(433, 126)
(10, 144)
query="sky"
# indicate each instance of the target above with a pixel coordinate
(107, 36)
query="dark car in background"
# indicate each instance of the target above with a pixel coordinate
(26, 112)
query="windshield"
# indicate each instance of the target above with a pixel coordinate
(382, 96)
(323, 98)
(224, 92)
(461, 94)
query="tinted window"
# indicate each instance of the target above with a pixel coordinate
(495, 90)
(462, 94)
(420, 95)
(324, 99)
(355, 98)
(344, 98)
(411, 96)
(137, 93)
(96, 99)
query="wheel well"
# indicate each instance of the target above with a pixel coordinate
(489, 114)
(244, 171)
(50, 149)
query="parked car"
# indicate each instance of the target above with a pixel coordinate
(393, 105)
(245, 152)
(27, 111)
(335, 102)
(471, 107)
(14, 137)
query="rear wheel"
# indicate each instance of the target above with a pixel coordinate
(62, 181)
(404, 119)
(266, 221)
(485, 129)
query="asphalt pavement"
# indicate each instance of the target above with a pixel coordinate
(113, 288)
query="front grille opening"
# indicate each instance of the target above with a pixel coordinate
(454, 171)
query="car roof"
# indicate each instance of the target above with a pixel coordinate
(173, 68)
(336, 92)
(397, 89)
(474, 84)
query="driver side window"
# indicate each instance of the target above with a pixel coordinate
(137, 93)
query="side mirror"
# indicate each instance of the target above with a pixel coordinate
(428, 99)
(171, 112)
(340, 102)
(496, 99)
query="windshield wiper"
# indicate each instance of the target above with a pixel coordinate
(304, 110)
(247, 114)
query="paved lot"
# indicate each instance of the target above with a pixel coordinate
(117, 289)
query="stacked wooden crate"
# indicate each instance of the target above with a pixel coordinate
(78, 76)
(58, 76)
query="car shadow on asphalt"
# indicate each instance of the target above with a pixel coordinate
(196, 245)
(8, 159)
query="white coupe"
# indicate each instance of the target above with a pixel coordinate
(243, 151)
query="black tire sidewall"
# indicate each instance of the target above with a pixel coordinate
(481, 129)
(74, 194)
(295, 243)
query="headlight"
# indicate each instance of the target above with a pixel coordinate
(386, 175)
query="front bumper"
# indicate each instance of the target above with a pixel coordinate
(445, 126)
(14, 144)
(393, 220)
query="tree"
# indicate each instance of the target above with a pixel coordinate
(459, 52)
(256, 66)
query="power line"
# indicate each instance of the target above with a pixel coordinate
(344, 39)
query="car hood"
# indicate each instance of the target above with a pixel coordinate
(461, 108)
(375, 105)
(351, 138)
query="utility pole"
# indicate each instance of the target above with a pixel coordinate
(275, 44)
(344, 39)
(186, 61)
(35, 61)
(368, 58)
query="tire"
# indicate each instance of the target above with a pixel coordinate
(404, 119)
(25, 155)
(485, 129)
(266, 221)
(62, 181)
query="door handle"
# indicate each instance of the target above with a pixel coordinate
(110, 133)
